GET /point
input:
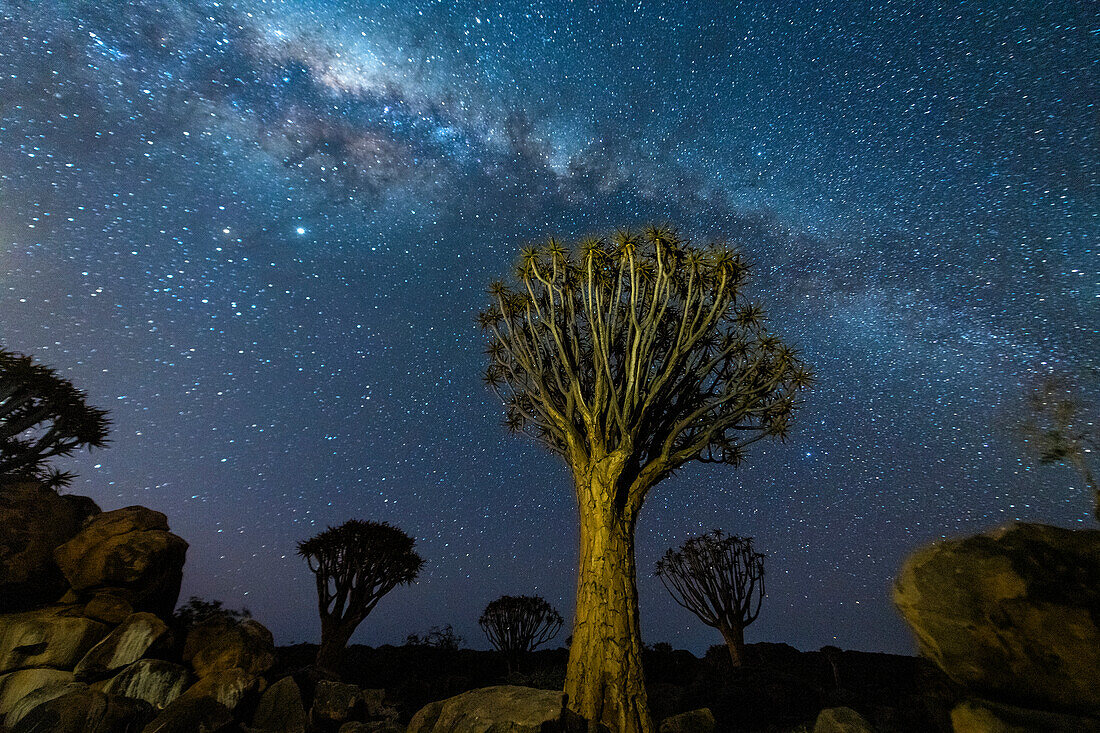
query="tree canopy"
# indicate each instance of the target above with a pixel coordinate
(643, 344)
(42, 415)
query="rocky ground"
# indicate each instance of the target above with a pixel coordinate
(1008, 623)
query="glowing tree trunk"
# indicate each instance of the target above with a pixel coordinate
(604, 679)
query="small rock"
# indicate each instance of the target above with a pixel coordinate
(983, 716)
(155, 681)
(84, 711)
(280, 709)
(841, 720)
(108, 608)
(693, 721)
(14, 686)
(226, 644)
(334, 703)
(504, 707)
(123, 646)
(191, 714)
(228, 686)
(49, 637)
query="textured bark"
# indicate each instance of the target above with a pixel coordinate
(334, 640)
(735, 642)
(604, 679)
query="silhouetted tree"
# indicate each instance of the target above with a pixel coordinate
(355, 565)
(629, 358)
(515, 625)
(1060, 426)
(42, 415)
(443, 638)
(198, 610)
(719, 578)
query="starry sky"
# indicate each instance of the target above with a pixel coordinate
(258, 233)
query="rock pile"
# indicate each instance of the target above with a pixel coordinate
(1013, 615)
(99, 653)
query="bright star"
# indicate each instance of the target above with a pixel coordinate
(301, 230)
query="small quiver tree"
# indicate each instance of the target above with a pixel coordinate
(42, 415)
(1060, 425)
(516, 625)
(719, 578)
(355, 564)
(629, 358)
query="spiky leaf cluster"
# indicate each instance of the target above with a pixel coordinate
(42, 415)
(718, 577)
(356, 564)
(519, 624)
(641, 343)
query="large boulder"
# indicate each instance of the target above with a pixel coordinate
(1013, 613)
(49, 637)
(841, 720)
(15, 686)
(280, 709)
(32, 700)
(129, 551)
(34, 521)
(125, 645)
(219, 644)
(84, 711)
(155, 681)
(501, 709)
(983, 716)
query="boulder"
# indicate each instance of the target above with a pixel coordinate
(110, 608)
(49, 637)
(280, 709)
(43, 694)
(841, 720)
(335, 703)
(129, 551)
(1012, 613)
(355, 726)
(191, 714)
(155, 681)
(34, 521)
(983, 716)
(501, 709)
(125, 645)
(84, 711)
(228, 686)
(375, 707)
(693, 721)
(227, 644)
(15, 686)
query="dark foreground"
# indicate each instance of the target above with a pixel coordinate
(779, 689)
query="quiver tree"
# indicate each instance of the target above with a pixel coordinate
(355, 565)
(719, 578)
(1059, 426)
(42, 415)
(630, 357)
(515, 625)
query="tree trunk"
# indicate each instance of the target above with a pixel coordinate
(604, 679)
(735, 642)
(1090, 481)
(334, 639)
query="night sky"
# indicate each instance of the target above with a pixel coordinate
(258, 233)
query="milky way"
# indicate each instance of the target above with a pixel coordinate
(258, 233)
